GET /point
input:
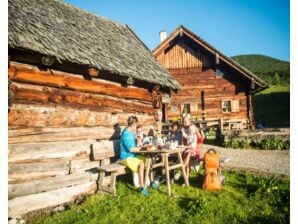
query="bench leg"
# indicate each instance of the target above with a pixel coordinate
(100, 182)
(113, 184)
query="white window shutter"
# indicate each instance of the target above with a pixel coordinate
(235, 105)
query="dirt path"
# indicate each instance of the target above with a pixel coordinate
(271, 162)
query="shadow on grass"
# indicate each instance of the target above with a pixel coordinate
(273, 109)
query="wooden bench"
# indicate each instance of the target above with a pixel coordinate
(106, 152)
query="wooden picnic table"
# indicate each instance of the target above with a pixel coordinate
(164, 153)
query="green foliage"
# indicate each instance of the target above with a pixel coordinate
(273, 144)
(245, 198)
(276, 79)
(236, 144)
(271, 70)
(196, 206)
(270, 143)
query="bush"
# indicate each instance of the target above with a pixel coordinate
(269, 144)
(236, 144)
(273, 144)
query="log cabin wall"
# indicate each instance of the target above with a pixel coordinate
(75, 79)
(54, 119)
(203, 90)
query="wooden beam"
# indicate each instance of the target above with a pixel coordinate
(31, 74)
(19, 206)
(62, 134)
(48, 151)
(48, 95)
(83, 165)
(50, 184)
(23, 172)
(35, 115)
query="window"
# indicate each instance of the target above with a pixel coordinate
(230, 106)
(219, 73)
(226, 106)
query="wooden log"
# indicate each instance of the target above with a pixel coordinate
(34, 135)
(62, 134)
(49, 95)
(49, 184)
(83, 165)
(19, 206)
(23, 172)
(31, 74)
(48, 151)
(32, 115)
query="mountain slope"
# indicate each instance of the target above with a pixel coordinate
(271, 70)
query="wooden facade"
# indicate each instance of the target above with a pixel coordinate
(213, 86)
(53, 120)
(59, 109)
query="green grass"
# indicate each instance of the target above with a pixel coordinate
(273, 106)
(244, 199)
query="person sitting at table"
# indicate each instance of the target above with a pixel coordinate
(194, 151)
(129, 159)
(140, 136)
(191, 150)
(175, 134)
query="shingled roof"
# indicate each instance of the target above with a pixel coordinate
(58, 29)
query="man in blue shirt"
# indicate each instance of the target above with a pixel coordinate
(129, 159)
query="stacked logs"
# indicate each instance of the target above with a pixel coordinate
(53, 121)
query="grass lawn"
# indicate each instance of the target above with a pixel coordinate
(273, 106)
(244, 199)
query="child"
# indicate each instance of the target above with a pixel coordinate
(192, 150)
(140, 136)
(175, 134)
(128, 158)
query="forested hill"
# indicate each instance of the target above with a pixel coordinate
(271, 70)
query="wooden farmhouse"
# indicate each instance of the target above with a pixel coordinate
(75, 78)
(213, 85)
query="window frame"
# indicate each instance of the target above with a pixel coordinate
(229, 106)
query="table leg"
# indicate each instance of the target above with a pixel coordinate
(163, 162)
(148, 164)
(183, 169)
(167, 174)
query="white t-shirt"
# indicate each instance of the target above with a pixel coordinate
(192, 140)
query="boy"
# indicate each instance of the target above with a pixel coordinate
(128, 158)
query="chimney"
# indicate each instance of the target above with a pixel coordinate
(162, 35)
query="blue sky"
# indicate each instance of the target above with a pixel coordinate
(232, 26)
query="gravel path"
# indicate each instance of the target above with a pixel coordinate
(267, 162)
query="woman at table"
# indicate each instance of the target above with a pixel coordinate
(129, 159)
(192, 138)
